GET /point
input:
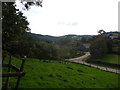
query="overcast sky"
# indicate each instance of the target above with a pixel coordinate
(62, 17)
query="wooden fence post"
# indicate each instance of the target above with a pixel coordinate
(7, 81)
(19, 77)
(106, 68)
(116, 71)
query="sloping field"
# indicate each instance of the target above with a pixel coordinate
(58, 74)
(111, 58)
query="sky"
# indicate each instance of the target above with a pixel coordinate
(80, 17)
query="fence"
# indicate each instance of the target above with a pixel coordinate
(18, 72)
(103, 63)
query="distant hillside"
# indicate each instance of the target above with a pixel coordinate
(53, 39)
(45, 38)
(115, 32)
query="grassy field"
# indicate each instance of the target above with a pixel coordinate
(58, 74)
(110, 58)
(84, 59)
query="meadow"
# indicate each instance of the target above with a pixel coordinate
(111, 58)
(60, 74)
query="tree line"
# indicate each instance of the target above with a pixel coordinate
(25, 45)
(103, 44)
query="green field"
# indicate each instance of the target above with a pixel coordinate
(58, 74)
(110, 58)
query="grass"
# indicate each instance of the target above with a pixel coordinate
(111, 58)
(84, 59)
(58, 74)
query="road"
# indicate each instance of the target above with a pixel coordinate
(79, 60)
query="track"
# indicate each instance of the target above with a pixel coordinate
(79, 60)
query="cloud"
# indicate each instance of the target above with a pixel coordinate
(68, 23)
(61, 23)
(73, 23)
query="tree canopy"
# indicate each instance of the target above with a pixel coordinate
(13, 22)
(104, 43)
(98, 46)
